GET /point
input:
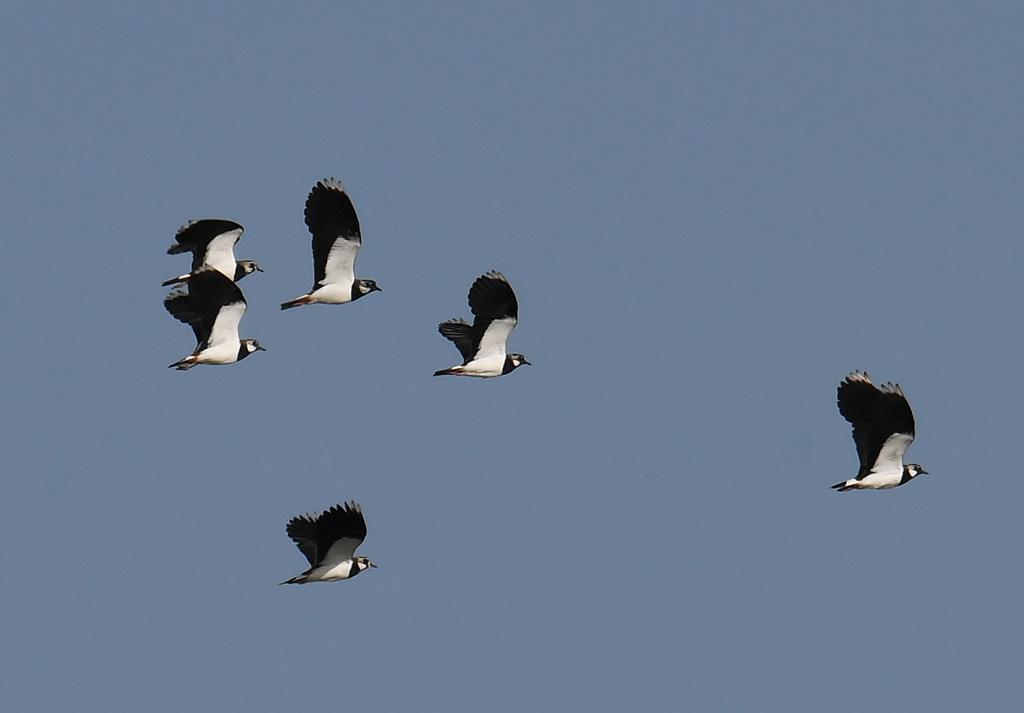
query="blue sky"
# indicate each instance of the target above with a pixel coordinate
(710, 213)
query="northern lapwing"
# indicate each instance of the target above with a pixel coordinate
(883, 429)
(329, 541)
(213, 305)
(482, 345)
(212, 244)
(332, 220)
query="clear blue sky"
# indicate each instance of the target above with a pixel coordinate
(711, 214)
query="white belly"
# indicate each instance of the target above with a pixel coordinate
(332, 294)
(883, 480)
(484, 368)
(220, 354)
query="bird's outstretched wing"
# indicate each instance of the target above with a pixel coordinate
(883, 423)
(331, 536)
(334, 225)
(496, 313)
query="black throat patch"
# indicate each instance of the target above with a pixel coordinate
(907, 476)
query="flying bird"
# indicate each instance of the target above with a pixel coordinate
(212, 244)
(883, 429)
(329, 541)
(482, 345)
(332, 220)
(213, 306)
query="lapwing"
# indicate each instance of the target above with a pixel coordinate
(332, 220)
(212, 244)
(329, 541)
(482, 345)
(213, 305)
(883, 429)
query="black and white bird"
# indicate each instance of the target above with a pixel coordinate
(329, 541)
(212, 244)
(332, 220)
(883, 429)
(213, 306)
(482, 345)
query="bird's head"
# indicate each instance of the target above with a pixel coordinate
(249, 267)
(368, 286)
(517, 360)
(913, 470)
(251, 345)
(364, 563)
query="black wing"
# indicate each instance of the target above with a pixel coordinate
(876, 414)
(491, 297)
(459, 332)
(314, 534)
(208, 291)
(196, 236)
(491, 300)
(330, 215)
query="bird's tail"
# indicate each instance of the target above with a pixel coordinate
(180, 280)
(184, 364)
(443, 372)
(301, 579)
(843, 486)
(297, 302)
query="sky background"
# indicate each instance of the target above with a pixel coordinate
(710, 212)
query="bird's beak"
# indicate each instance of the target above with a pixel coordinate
(258, 268)
(373, 565)
(527, 363)
(260, 348)
(376, 288)
(924, 472)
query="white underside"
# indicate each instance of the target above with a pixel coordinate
(333, 294)
(225, 353)
(482, 368)
(879, 481)
(325, 573)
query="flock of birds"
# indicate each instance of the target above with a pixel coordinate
(209, 300)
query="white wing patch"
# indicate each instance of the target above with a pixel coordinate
(893, 450)
(225, 327)
(341, 551)
(220, 253)
(341, 261)
(492, 343)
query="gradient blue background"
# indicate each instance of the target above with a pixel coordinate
(711, 214)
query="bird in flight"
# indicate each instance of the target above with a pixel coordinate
(332, 220)
(482, 344)
(213, 306)
(329, 541)
(883, 429)
(212, 244)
